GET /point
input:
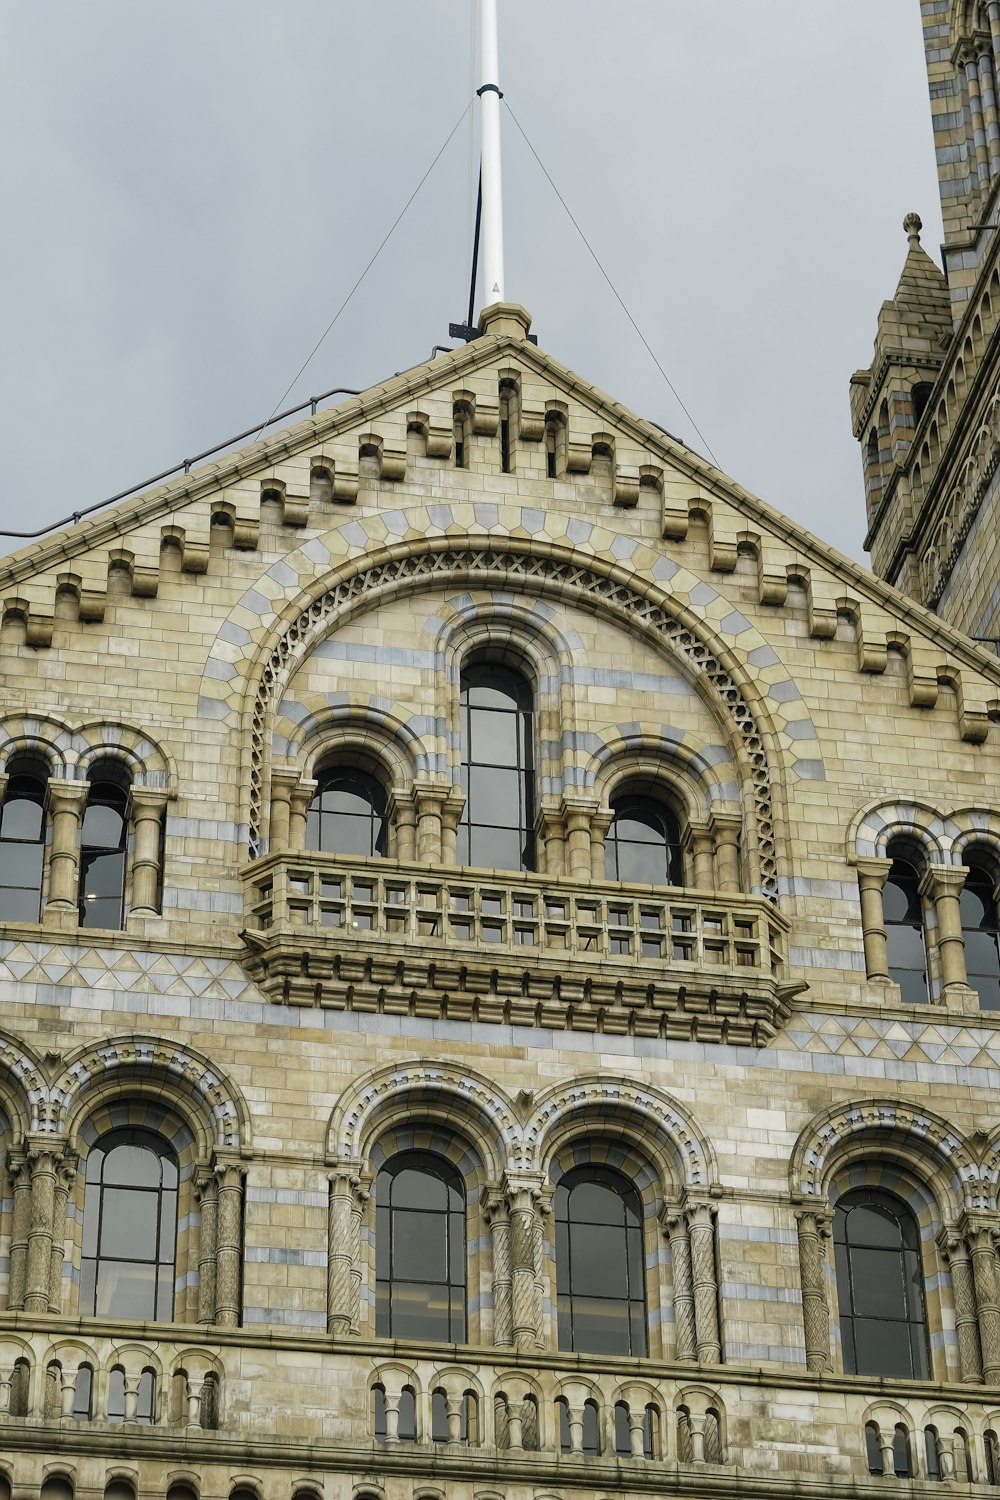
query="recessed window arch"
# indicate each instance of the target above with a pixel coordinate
(643, 843)
(103, 843)
(981, 928)
(129, 1227)
(600, 1277)
(22, 839)
(420, 1250)
(348, 813)
(903, 910)
(880, 1286)
(497, 767)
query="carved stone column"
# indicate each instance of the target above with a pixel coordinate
(65, 1177)
(988, 94)
(298, 813)
(955, 1253)
(943, 885)
(66, 801)
(550, 840)
(599, 825)
(523, 1193)
(872, 876)
(979, 1235)
(146, 808)
(431, 802)
(498, 1218)
(701, 1233)
(971, 69)
(229, 1256)
(726, 831)
(814, 1231)
(685, 1338)
(451, 815)
(578, 814)
(699, 846)
(20, 1172)
(343, 1274)
(45, 1162)
(402, 814)
(284, 781)
(207, 1194)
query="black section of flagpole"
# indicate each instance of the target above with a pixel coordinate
(475, 250)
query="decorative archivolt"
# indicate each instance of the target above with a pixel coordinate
(309, 728)
(924, 1144)
(701, 775)
(944, 834)
(587, 582)
(962, 505)
(70, 749)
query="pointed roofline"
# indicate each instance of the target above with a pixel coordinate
(427, 375)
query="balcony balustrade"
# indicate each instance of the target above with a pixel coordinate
(373, 934)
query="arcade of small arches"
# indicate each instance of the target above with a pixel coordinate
(451, 1221)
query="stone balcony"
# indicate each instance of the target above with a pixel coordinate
(377, 935)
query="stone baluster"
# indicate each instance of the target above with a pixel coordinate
(65, 1177)
(454, 1409)
(67, 1392)
(6, 1381)
(343, 1276)
(955, 1253)
(193, 1395)
(814, 1230)
(979, 1235)
(523, 1193)
(229, 1258)
(498, 1218)
(888, 1456)
(146, 809)
(872, 876)
(207, 1195)
(298, 814)
(66, 801)
(946, 1456)
(637, 1429)
(726, 830)
(392, 1416)
(943, 885)
(574, 1418)
(515, 1438)
(20, 1171)
(685, 1341)
(45, 1161)
(701, 1233)
(699, 847)
(696, 1421)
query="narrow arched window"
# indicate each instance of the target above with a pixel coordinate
(643, 843)
(599, 1263)
(497, 773)
(420, 1275)
(880, 1286)
(903, 911)
(102, 850)
(981, 932)
(129, 1228)
(920, 395)
(22, 842)
(348, 813)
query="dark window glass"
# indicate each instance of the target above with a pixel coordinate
(407, 1425)
(347, 814)
(643, 843)
(599, 1263)
(22, 847)
(129, 1228)
(497, 827)
(904, 930)
(82, 1388)
(102, 857)
(980, 931)
(420, 1250)
(880, 1286)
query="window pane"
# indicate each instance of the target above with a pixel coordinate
(644, 864)
(988, 990)
(414, 1187)
(877, 1281)
(22, 818)
(639, 827)
(495, 848)
(126, 1291)
(906, 947)
(128, 1224)
(598, 1266)
(898, 898)
(912, 986)
(595, 1202)
(102, 875)
(19, 906)
(419, 1246)
(420, 1311)
(494, 796)
(872, 1224)
(980, 951)
(21, 864)
(103, 827)
(495, 737)
(600, 1327)
(130, 1165)
(882, 1348)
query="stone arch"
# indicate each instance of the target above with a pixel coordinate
(921, 1142)
(604, 586)
(25, 1097)
(627, 752)
(873, 828)
(177, 1076)
(979, 827)
(309, 729)
(647, 1118)
(50, 737)
(147, 763)
(458, 1098)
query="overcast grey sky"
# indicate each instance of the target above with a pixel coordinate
(190, 188)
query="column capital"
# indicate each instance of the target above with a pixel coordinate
(725, 825)
(64, 794)
(873, 870)
(148, 800)
(821, 1216)
(285, 778)
(943, 880)
(579, 805)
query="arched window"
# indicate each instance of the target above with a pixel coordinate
(102, 849)
(129, 1228)
(22, 841)
(920, 395)
(880, 1286)
(981, 932)
(420, 1249)
(498, 778)
(904, 923)
(348, 813)
(643, 843)
(599, 1263)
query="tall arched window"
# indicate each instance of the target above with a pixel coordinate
(348, 813)
(599, 1263)
(102, 849)
(498, 777)
(129, 1228)
(644, 842)
(903, 911)
(420, 1272)
(880, 1286)
(981, 932)
(22, 841)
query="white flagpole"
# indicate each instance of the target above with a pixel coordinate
(489, 99)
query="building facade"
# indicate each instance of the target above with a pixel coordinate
(499, 971)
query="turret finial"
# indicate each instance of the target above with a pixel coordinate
(913, 224)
